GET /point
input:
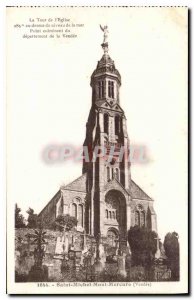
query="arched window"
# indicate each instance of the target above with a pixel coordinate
(106, 123)
(117, 125)
(80, 215)
(101, 89)
(137, 218)
(74, 210)
(111, 89)
(117, 215)
(106, 213)
(110, 215)
(142, 218)
(108, 173)
(117, 173)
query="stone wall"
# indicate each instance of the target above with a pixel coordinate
(24, 250)
(57, 267)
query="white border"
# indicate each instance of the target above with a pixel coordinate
(3, 3)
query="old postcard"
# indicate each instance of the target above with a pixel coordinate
(97, 150)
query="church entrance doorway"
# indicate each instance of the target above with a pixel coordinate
(115, 215)
(112, 238)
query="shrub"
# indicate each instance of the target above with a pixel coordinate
(171, 246)
(32, 219)
(143, 245)
(65, 222)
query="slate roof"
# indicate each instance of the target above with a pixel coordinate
(78, 184)
(138, 193)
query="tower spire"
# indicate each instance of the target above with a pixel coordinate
(105, 40)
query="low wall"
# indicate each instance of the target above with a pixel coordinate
(24, 250)
(24, 258)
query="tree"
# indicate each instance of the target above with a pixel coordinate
(171, 246)
(39, 251)
(143, 245)
(38, 271)
(65, 222)
(19, 219)
(32, 219)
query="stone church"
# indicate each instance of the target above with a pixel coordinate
(104, 199)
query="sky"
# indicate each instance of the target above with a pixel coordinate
(49, 98)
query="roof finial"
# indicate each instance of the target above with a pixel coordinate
(105, 41)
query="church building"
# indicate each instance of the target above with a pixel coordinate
(104, 199)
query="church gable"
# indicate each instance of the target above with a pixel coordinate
(117, 108)
(48, 214)
(116, 185)
(78, 184)
(102, 103)
(138, 193)
(106, 105)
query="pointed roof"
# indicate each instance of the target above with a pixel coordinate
(53, 201)
(106, 66)
(78, 184)
(137, 192)
(115, 184)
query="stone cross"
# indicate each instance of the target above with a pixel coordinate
(59, 245)
(121, 265)
(157, 254)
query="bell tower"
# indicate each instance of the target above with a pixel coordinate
(104, 199)
(106, 132)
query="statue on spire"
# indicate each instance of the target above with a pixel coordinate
(105, 30)
(105, 41)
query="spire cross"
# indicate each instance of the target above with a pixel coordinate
(157, 241)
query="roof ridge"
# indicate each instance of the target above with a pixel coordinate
(62, 186)
(52, 199)
(114, 179)
(141, 189)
